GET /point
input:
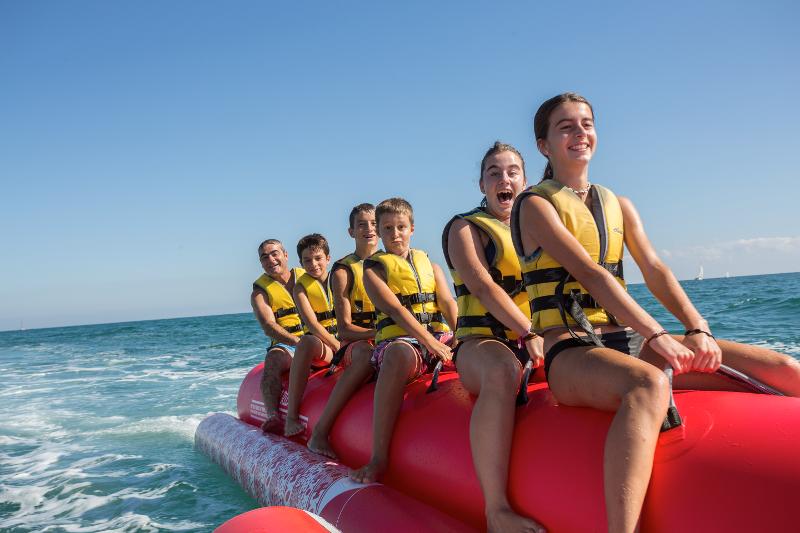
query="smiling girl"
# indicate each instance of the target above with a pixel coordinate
(602, 349)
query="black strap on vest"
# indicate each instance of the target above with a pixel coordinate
(485, 321)
(294, 329)
(423, 318)
(364, 319)
(407, 300)
(280, 313)
(325, 315)
(510, 284)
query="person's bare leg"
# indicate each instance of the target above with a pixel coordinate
(309, 349)
(639, 393)
(492, 372)
(777, 370)
(398, 363)
(352, 378)
(276, 363)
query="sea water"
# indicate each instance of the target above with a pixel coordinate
(97, 422)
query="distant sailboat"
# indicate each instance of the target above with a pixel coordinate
(699, 276)
(727, 275)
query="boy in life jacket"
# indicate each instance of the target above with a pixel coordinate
(413, 302)
(355, 319)
(312, 294)
(275, 311)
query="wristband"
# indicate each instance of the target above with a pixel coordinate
(528, 336)
(656, 335)
(690, 332)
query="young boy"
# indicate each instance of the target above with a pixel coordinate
(314, 300)
(355, 316)
(413, 301)
(275, 311)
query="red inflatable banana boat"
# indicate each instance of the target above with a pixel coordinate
(733, 465)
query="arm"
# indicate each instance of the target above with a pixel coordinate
(444, 300)
(556, 240)
(385, 300)
(466, 252)
(310, 318)
(665, 287)
(340, 286)
(266, 319)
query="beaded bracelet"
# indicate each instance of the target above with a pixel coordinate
(690, 332)
(655, 335)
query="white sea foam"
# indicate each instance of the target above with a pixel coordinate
(157, 468)
(183, 426)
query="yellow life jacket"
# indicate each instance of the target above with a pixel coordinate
(281, 303)
(321, 300)
(362, 311)
(473, 318)
(556, 298)
(413, 283)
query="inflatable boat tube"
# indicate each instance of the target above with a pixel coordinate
(732, 466)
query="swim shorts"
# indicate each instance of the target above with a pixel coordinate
(287, 347)
(424, 361)
(627, 341)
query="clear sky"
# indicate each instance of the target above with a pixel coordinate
(147, 147)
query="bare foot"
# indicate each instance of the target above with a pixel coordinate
(272, 423)
(369, 473)
(293, 427)
(321, 446)
(505, 519)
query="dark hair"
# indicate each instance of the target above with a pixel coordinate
(394, 206)
(360, 208)
(315, 240)
(541, 121)
(270, 241)
(497, 148)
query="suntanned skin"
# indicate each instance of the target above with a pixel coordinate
(487, 368)
(274, 260)
(606, 379)
(319, 345)
(359, 370)
(398, 362)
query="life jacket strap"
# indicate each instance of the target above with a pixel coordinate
(423, 318)
(485, 321)
(280, 313)
(408, 300)
(325, 315)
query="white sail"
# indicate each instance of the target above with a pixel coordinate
(699, 274)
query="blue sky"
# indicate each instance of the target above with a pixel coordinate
(146, 148)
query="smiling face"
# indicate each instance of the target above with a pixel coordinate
(502, 180)
(315, 262)
(571, 138)
(274, 260)
(395, 230)
(364, 229)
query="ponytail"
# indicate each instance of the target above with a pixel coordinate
(548, 172)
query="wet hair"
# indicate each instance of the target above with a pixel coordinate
(316, 241)
(497, 148)
(270, 241)
(360, 208)
(541, 121)
(394, 206)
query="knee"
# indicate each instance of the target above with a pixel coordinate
(648, 388)
(276, 362)
(502, 374)
(308, 347)
(398, 356)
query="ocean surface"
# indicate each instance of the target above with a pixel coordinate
(98, 422)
